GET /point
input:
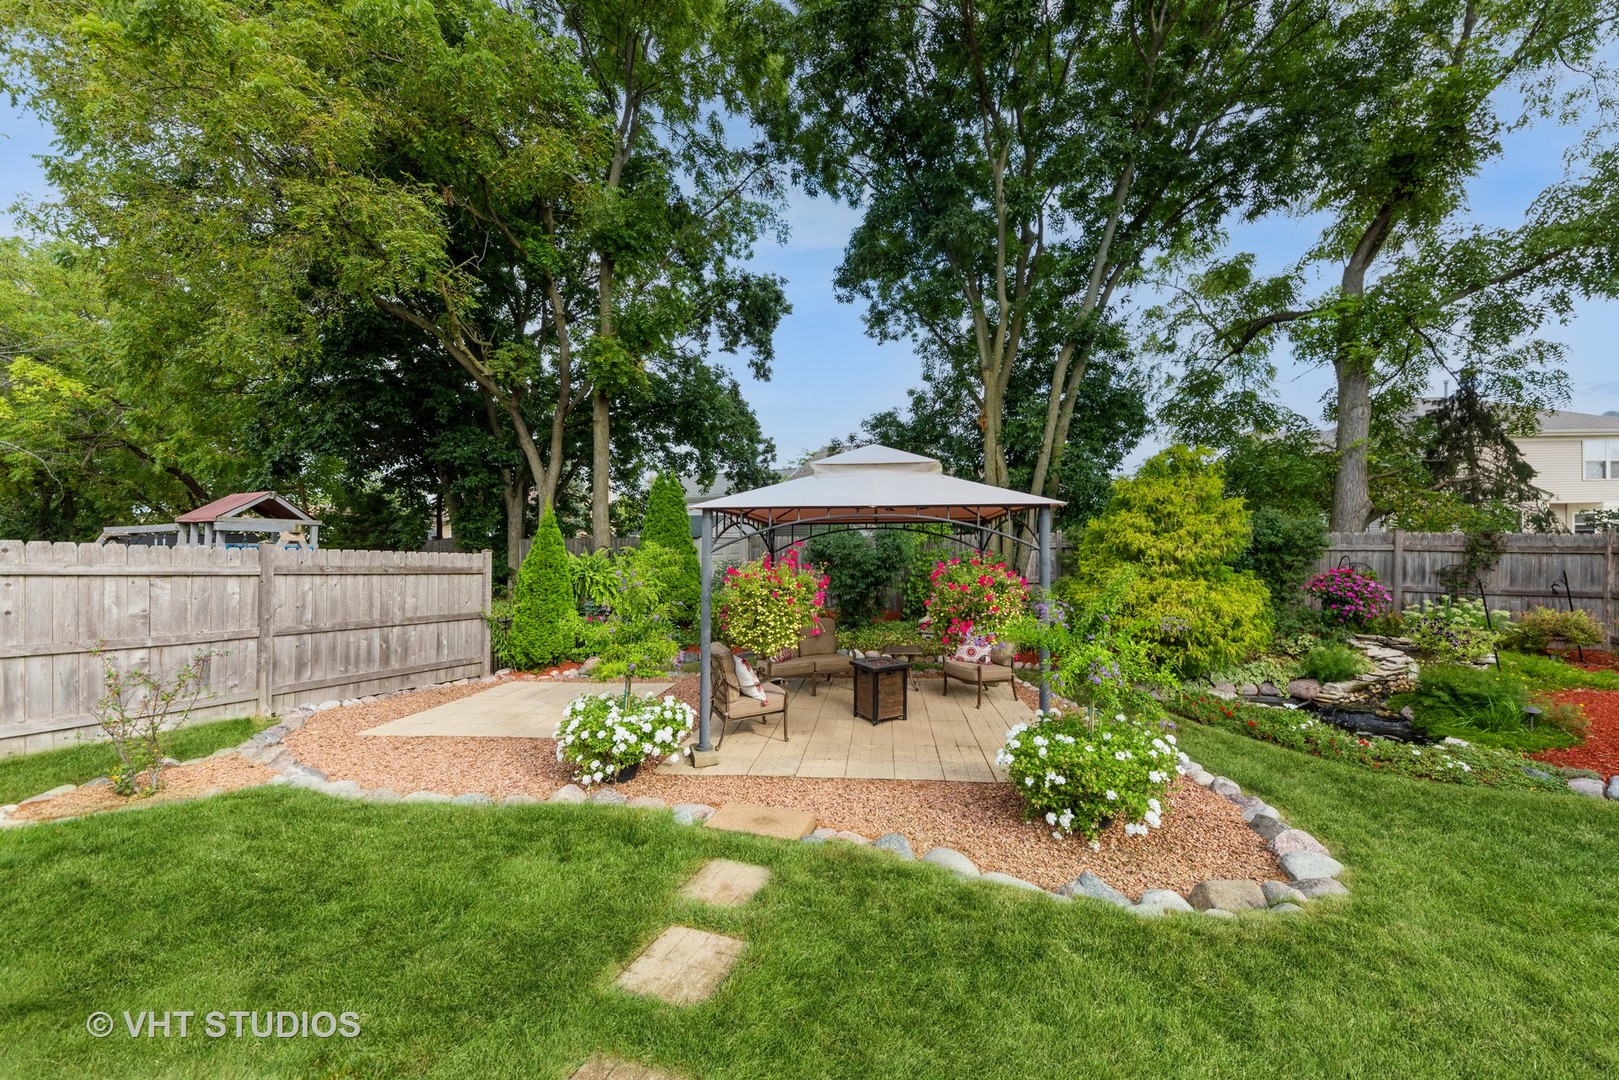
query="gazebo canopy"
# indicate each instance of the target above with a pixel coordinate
(874, 484)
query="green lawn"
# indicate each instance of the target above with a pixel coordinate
(26, 775)
(482, 942)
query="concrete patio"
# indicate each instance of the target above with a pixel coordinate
(945, 738)
(523, 709)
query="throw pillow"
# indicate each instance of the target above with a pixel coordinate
(748, 680)
(974, 649)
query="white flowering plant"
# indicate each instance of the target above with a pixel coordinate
(601, 735)
(1079, 773)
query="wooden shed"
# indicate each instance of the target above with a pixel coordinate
(244, 519)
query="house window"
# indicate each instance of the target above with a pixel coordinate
(1602, 459)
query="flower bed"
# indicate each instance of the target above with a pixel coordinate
(1474, 765)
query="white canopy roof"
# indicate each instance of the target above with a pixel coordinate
(871, 484)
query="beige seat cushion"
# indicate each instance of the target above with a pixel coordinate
(979, 673)
(745, 707)
(834, 664)
(794, 667)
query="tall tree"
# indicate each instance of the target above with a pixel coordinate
(251, 170)
(1017, 161)
(1412, 112)
(677, 203)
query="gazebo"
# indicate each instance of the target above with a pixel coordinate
(869, 486)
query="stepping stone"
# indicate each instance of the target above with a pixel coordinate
(684, 966)
(762, 821)
(602, 1067)
(727, 883)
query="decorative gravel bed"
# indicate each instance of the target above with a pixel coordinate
(1204, 836)
(331, 742)
(210, 776)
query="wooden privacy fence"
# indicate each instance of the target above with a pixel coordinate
(1411, 565)
(284, 627)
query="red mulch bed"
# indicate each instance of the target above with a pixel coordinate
(1600, 751)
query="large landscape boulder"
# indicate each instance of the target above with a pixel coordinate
(1227, 895)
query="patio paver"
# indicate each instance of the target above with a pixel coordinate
(726, 882)
(602, 1067)
(773, 821)
(683, 966)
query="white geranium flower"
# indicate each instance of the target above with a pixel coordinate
(1051, 818)
(1112, 796)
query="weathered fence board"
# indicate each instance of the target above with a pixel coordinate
(284, 627)
(1412, 566)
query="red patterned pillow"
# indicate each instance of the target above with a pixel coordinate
(974, 649)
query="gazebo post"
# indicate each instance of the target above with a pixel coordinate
(704, 698)
(1045, 616)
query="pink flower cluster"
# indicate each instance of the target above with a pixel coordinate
(1349, 596)
(974, 596)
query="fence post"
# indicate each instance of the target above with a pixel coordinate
(486, 604)
(1607, 598)
(266, 672)
(1397, 586)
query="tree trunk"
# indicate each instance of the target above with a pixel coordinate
(1351, 487)
(516, 499)
(600, 463)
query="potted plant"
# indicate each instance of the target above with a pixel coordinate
(606, 736)
(974, 597)
(766, 605)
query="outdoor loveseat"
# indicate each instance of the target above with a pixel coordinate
(816, 657)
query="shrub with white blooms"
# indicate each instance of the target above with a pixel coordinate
(1079, 775)
(603, 734)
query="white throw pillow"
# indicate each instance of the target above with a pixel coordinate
(749, 681)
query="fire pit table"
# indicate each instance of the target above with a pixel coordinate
(881, 688)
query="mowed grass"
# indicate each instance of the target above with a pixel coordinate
(483, 942)
(26, 775)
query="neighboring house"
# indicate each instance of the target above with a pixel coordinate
(1576, 460)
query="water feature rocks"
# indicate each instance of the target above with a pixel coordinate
(1303, 689)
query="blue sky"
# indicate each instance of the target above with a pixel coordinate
(829, 375)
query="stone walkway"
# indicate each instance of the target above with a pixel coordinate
(524, 709)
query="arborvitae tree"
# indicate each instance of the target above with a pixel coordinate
(543, 615)
(668, 524)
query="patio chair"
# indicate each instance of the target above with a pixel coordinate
(998, 669)
(729, 703)
(817, 656)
